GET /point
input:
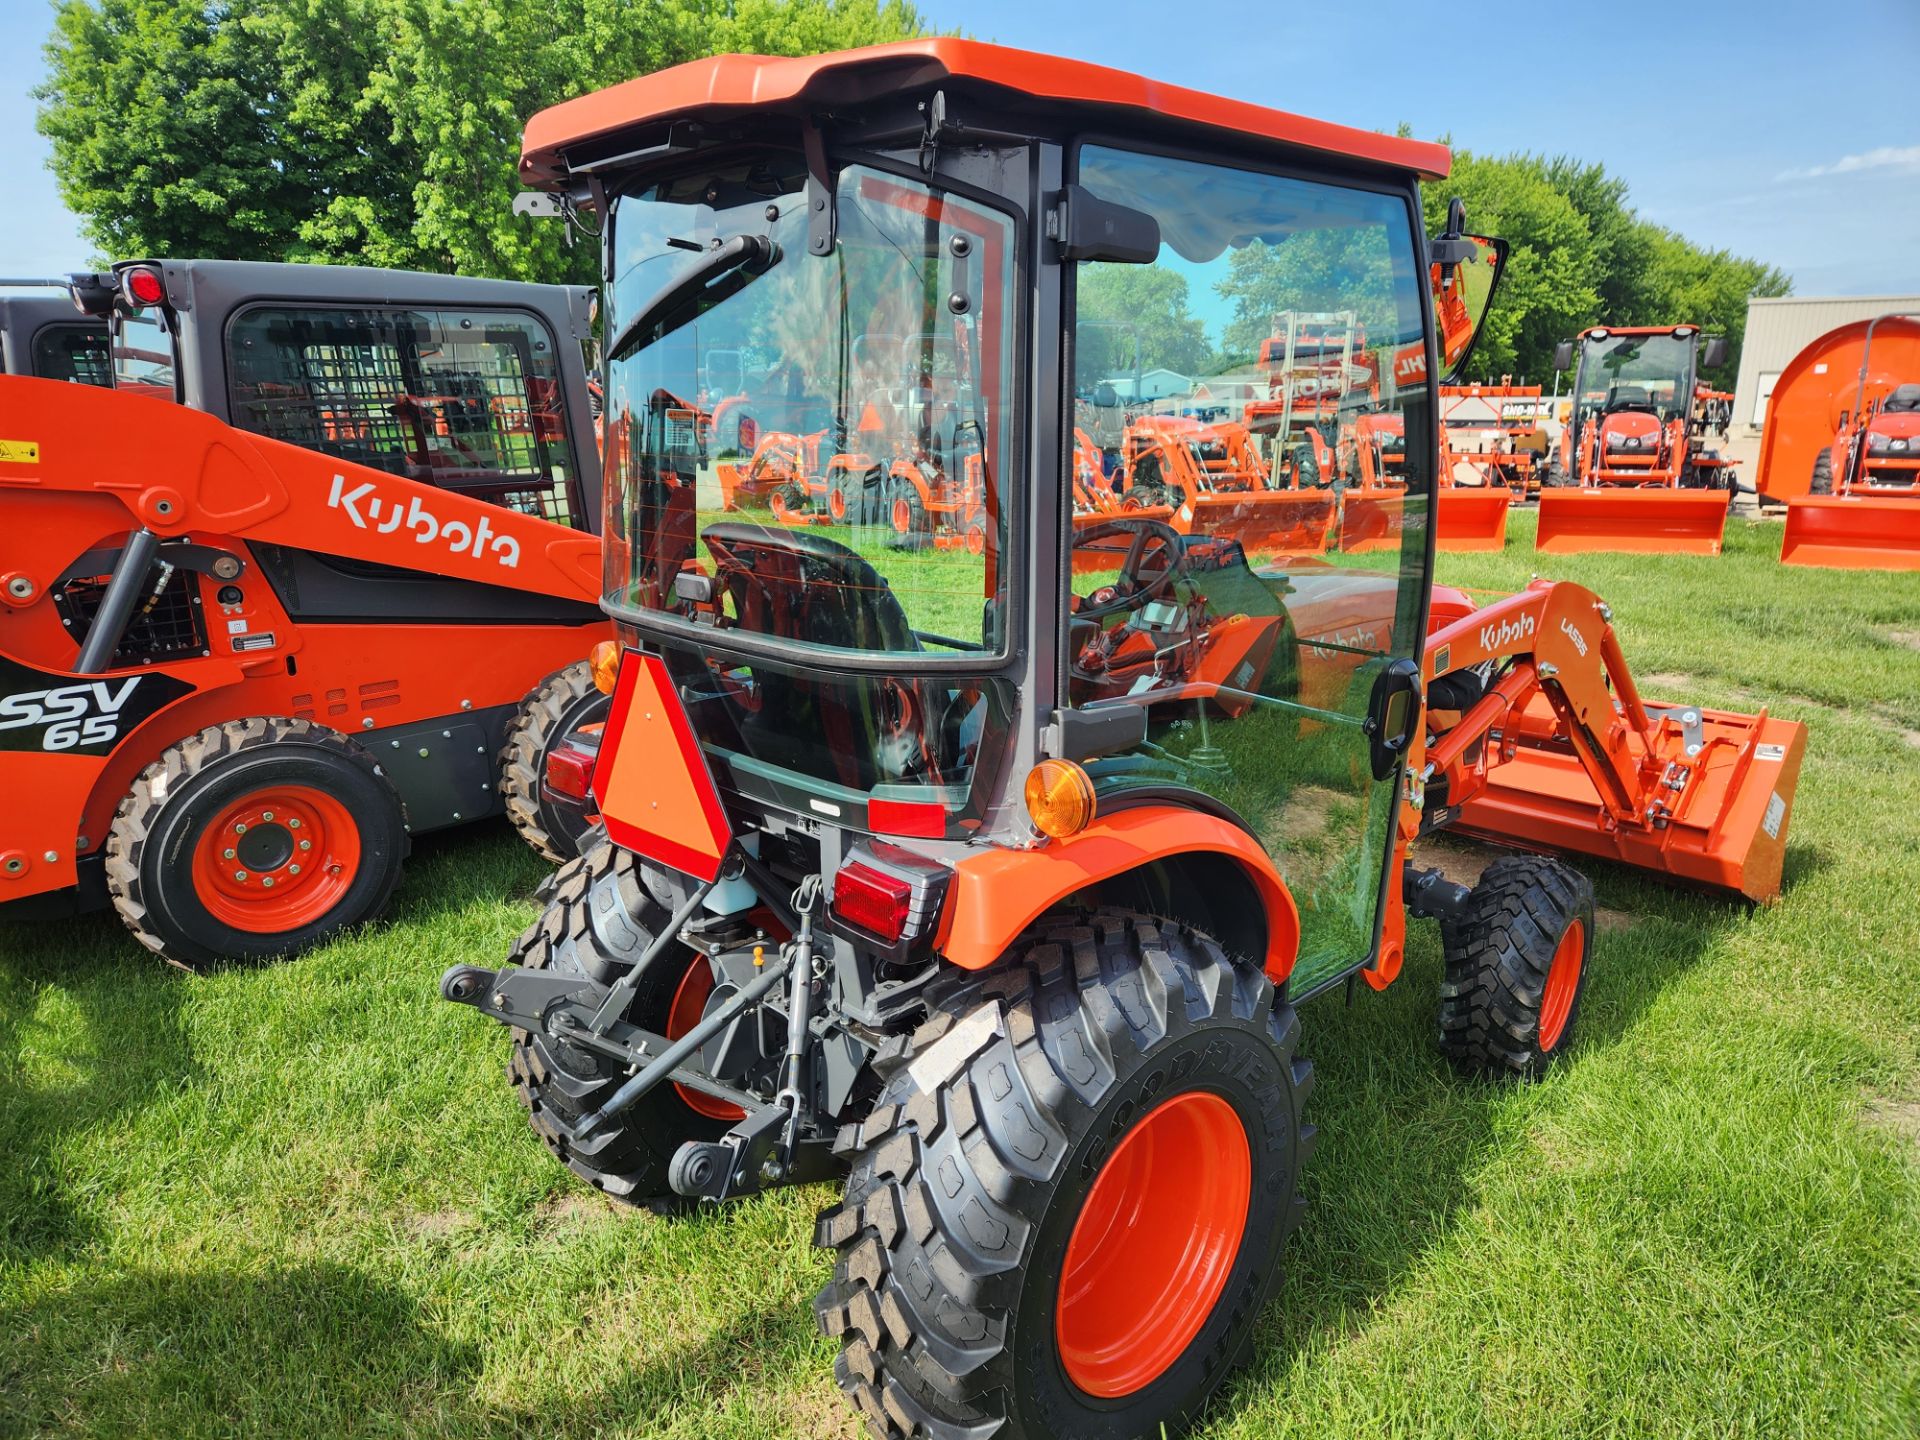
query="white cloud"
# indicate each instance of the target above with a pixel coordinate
(1884, 157)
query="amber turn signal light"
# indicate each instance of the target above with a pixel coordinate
(1059, 798)
(605, 661)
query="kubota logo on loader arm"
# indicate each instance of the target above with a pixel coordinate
(461, 538)
(1493, 637)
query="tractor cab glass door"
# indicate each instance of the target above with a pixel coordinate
(1251, 485)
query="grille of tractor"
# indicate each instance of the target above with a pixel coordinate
(165, 625)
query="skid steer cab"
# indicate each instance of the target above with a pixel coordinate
(316, 574)
(41, 333)
(987, 878)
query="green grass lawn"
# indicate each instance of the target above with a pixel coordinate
(301, 1200)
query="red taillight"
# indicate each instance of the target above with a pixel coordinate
(144, 286)
(925, 818)
(875, 902)
(569, 772)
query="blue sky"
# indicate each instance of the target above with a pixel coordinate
(1729, 121)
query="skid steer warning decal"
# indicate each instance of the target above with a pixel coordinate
(72, 715)
(368, 509)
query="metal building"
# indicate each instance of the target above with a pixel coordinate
(1778, 329)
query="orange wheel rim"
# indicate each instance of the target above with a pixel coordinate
(1154, 1244)
(689, 1004)
(902, 517)
(778, 505)
(976, 541)
(1563, 983)
(276, 859)
(837, 504)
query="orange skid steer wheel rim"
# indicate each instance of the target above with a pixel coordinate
(1154, 1244)
(276, 859)
(1563, 983)
(689, 1005)
(902, 516)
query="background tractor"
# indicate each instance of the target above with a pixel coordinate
(983, 882)
(42, 334)
(314, 576)
(1632, 472)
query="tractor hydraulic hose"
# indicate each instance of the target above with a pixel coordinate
(123, 592)
(661, 1067)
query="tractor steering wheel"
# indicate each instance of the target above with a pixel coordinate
(1129, 590)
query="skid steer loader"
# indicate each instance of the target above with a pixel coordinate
(42, 334)
(991, 884)
(314, 576)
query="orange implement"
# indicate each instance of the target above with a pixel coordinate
(1652, 521)
(1472, 519)
(1265, 522)
(1852, 532)
(1371, 520)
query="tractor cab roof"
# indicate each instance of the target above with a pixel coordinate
(565, 137)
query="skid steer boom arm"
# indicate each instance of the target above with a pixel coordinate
(172, 471)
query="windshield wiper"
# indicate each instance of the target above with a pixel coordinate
(734, 260)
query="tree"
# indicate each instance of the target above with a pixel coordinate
(1124, 306)
(381, 132)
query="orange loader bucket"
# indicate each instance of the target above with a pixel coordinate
(1371, 521)
(1473, 519)
(1852, 532)
(1265, 522)
(1640, 521)
(1732, 798)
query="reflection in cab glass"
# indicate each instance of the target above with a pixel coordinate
(812, 449)
(1249, 518)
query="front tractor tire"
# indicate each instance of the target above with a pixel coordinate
(252, 840)
(598, 923)
(1066, 1209)
(557, 706)
(1516, 967)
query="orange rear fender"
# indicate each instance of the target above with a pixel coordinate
(998, 893)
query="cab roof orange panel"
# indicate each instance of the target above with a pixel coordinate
(732, 83)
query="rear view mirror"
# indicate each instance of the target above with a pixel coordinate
(1563, 355)
(1715, 352)
(1096, 229)
(1466, 271)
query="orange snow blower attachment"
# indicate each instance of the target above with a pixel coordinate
(1558, 751)
(1637, 480)
(1858, 391)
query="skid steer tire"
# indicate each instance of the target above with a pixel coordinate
(1516, 967)
(599, 921)
(254, 840)
(557, 706)
(965, 1297)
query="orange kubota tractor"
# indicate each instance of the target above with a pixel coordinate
(1842, 448)
(992, 885)
(315, 576)
(1632, 471)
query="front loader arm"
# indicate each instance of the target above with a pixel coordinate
(177, 471)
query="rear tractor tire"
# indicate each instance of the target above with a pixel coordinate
(253, 840)
(907, 520)
(1516, 967)
(599, 921)
(1066, 1208)
(556, 707)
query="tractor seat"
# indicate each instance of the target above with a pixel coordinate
(1630, 397)
(1902, 400)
